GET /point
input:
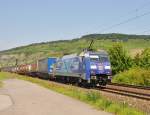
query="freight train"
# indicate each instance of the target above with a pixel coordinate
(87, 68)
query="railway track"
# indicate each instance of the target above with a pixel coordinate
(139, 92)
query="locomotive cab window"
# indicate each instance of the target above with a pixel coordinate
(94, 58)
(104, 59)
(100, 58)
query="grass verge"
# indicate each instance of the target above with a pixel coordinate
(0, 84)
(4, 75)
(93, 98)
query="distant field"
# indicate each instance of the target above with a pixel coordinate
(133, 52)
(30, 53)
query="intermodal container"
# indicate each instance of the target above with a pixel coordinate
(46, 65)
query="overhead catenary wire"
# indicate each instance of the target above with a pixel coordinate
(141, 6)
(136, 10)
(148, 30)
(125, 21)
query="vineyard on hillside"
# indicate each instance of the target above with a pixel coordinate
(27, 54)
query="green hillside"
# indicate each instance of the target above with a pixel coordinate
(30, 53)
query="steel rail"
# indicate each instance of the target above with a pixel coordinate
(131, 86)
(139, 92)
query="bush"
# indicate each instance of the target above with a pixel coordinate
(120, 61)
(134, 76)
(143, 60)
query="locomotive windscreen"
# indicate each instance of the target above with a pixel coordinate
(98, 57)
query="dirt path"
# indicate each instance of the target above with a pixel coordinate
(30, 99)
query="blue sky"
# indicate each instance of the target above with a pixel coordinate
(30, 21)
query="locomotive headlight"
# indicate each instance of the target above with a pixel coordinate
(100, 67)
(107, 67)
(93, 67)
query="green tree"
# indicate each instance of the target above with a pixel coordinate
(120, 61)
(143, 59)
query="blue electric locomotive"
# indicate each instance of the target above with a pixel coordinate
(88, 67)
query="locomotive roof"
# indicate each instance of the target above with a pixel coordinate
(100, 52)
(69, 56)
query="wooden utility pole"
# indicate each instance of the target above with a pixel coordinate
(16, 62)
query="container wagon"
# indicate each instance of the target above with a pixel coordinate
(45, 67)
